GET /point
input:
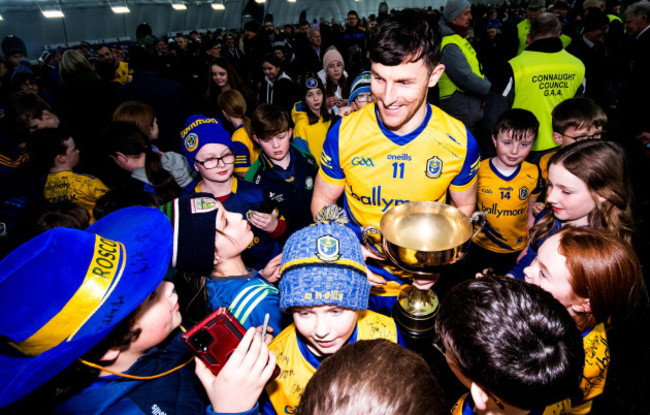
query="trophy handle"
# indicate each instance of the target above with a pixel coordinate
(480, 218)
(371, 238)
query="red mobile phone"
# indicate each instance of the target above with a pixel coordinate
(214, 339)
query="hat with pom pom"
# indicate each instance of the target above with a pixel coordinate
(323, 264)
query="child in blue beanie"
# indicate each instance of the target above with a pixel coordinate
(324, 286)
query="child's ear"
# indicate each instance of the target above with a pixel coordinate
(582, 306)
(111, 354)
(290, 132)
(494, 140)
(60, 158)
(479, 396)
(557, 138)
(257, 140)
(46, 115)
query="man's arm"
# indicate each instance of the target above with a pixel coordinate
(324, 194)
(464, 200)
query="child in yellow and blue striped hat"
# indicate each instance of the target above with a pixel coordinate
(324, 287)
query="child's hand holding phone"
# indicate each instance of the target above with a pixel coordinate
(243, 377)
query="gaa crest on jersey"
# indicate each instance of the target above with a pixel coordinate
(523, 193)
(434, 167)
(328, 248)
(309, 183)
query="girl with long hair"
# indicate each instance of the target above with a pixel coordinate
(310, 130)
(233, 107)
(596, 275)
(588, 186)
(133, 152)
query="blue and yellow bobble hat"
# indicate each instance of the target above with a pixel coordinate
(199, 131)
(360, 84)
(62, 292)
(322, 264)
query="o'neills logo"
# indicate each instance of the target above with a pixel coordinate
(328, 295)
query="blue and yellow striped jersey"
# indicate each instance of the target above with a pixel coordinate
(506, 200)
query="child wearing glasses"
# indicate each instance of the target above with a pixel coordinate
(209, 148)
(311, 129)
(575, 119)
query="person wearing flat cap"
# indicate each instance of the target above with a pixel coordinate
(463, 87)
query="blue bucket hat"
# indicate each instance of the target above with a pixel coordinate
(323, 264)
(199, 131)
(62, 292)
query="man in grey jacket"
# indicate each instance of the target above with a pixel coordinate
(463, 87)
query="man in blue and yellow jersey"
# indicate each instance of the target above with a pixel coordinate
(399, 148)
(463, 87)
(543, 76)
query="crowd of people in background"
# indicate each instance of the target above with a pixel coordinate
(248, 138)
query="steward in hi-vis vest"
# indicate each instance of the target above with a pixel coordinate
(462, 86)
(543, 76)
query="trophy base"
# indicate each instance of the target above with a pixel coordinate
(415, 312)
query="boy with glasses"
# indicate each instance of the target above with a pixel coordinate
(209, 148)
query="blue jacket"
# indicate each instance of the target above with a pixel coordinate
(531, 252)
(178, 392)
(291, 188)
(248, 298)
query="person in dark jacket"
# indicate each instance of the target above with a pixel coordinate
(285, 173)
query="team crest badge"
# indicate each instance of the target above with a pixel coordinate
(311, 83)
(523, 193)
(203, 205)
(309, 183)
(328, 248)
(191, 142)
(434, 167)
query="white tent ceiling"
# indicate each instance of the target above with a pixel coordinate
(93, 20)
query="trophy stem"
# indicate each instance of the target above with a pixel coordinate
(415, 312)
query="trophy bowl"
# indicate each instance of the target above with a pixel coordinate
(420, 237)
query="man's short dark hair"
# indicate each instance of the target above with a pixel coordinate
(373, 377)
(407, 36)
(514, 340)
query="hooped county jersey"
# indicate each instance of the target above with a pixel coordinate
(505, 201)
(381, 169)
(596, 365)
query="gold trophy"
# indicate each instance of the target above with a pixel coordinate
(420, 238)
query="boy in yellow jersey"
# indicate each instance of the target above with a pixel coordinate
(512, 345)
(324, 286)
(54, 151)
(575, 119)
(507, 188)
